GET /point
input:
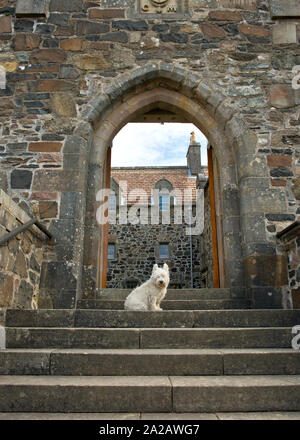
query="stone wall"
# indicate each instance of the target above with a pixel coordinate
(137, 250)
(20, 259)
(68, 62)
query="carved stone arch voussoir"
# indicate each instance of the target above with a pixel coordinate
(188, 83)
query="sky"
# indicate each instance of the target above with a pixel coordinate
(154, 144)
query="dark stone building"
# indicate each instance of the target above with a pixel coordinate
(134, 248)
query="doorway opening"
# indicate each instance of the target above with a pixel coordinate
(152, 91)
(160, 168)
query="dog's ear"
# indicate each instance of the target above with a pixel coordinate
(166, 267)
(155, 267)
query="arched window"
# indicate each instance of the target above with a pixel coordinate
(164, 184)
(165, 188)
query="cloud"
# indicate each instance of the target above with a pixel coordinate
(151, 144)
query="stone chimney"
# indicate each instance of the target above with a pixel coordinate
(194, 156)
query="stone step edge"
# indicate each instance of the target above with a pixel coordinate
(172, 300)
(205, 292)
(264, 415)
(203, 380)
(196, 290)
(43, 338)
(150, 328)
(196, 361)
(158, 351)
(70, 318)
(150, 393)
(172, 305)
(169, 295)
(192, 301)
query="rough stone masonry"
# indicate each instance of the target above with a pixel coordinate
(77, 70)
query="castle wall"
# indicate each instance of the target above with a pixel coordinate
(236, 58)
(20, 259)
(137, 250)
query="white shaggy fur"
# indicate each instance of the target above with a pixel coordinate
(149, 295)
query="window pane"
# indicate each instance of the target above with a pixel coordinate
(164, 250)
(111, 251)
(163, 203)
(112, 202)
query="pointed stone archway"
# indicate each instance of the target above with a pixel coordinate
(164, 99)
(236, 169)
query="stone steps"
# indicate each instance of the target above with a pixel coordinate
(174, 294)
(149, 393)
(202, 304)
(235, 393)
(166, 319)
(190, 360)
(129, 338)
(149, 362)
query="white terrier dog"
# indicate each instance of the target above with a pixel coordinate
(149, 295)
